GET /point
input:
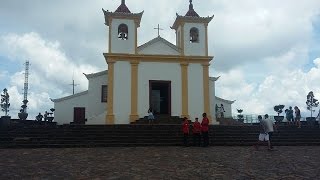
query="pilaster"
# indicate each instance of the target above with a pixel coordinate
(110, 118)
(184, 88)
(134, 91)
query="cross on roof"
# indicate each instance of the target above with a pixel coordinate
(158, 28)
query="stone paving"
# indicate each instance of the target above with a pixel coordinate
(161, 163)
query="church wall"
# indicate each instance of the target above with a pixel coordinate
(194, 49)
(159, 71)
(64, 109)
(122, 92)
(212, 99)
(159, 48)
(95, 106)
(195, 90)
(123, 46)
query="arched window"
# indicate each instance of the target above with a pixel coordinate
(194, 35)
(123, 32)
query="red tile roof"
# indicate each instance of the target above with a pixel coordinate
(191, 11)
(123, 8)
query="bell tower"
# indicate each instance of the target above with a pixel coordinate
(123, 26)
(192, 33)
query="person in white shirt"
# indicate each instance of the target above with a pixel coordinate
(269, 128)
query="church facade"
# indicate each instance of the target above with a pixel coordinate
(172, 79)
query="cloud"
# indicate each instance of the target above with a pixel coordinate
(289, 88)
(51, 71)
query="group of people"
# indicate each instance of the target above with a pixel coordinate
(39, 117)
(291, 119)
(198, 130)
(267, 128)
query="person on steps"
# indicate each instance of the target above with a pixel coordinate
(196, 131)
(205, 130)
(185, 131)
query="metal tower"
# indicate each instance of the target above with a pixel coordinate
(26, 77)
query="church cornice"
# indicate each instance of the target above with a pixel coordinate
(93, 75)
(157, 58)
(190, 19)
(120, 15)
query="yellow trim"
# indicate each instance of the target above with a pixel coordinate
(110, 116)
(184, 89)
(110, 32)
(206, 39)
(134, 91)
(182, 39)
(158, 58)
(206, 89)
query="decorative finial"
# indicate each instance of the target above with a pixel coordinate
(190, 5)
(123, 1)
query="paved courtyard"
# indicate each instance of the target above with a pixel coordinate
(161, 163)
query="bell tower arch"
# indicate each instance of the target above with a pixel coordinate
(123, 26)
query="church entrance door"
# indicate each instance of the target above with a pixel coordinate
(160, 96)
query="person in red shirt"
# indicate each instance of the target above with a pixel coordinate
(196, 130)
(205, 130)
(185, 130)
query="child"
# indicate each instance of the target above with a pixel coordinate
(185, 131)
(150, 115)
(196, 130)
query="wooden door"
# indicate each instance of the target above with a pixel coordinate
(79, 115)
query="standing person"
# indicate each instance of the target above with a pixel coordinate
(263, 135)
(150, 115)
(287, 116)
(318, 118)
(269, 128)
(45, 116)
(185, 131)
(222, 111)
(205, 130)
(298, 116)
(290, 115)
(196, 131)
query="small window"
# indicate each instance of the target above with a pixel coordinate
(194, 35)
(123, 32)
(104, 93)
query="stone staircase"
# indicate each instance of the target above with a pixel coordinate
(160, 119)
(65, 136)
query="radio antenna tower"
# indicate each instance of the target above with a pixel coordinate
(23, 111)
(26, 78)
(73, 84)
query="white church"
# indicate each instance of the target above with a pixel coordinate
(173, 79)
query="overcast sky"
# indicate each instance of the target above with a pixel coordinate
(266, 52)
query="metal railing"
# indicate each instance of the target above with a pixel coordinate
(253, 118)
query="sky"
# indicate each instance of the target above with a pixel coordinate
(265, 52)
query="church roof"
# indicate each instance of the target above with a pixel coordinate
(121, 12)
(224, 100)
(191, 11)
(123, 8)
(70, 97)
(158, 39)
(93, 75)
(191, 16)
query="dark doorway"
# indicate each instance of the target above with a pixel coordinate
(160, 96)
(79, 115)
